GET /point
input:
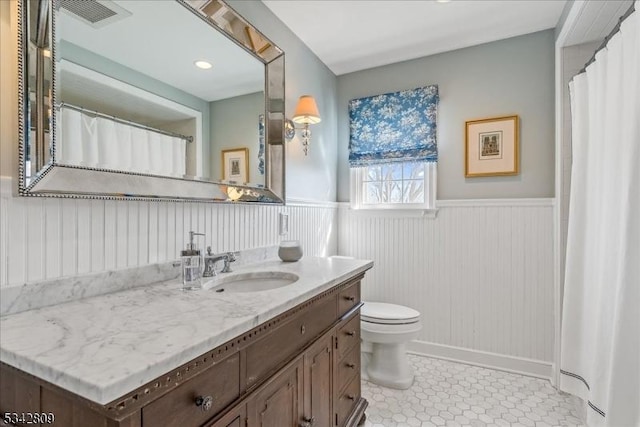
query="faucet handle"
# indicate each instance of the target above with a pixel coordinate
(228, 259)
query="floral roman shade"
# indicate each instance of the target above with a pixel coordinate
(394, 127)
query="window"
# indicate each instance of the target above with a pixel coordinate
(404, 185)
(393, 150)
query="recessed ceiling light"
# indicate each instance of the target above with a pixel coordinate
(443, 1)
(203, 64)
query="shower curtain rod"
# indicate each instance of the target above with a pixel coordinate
(123, 121)
(608, 37)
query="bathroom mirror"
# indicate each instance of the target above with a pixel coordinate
(179, 99)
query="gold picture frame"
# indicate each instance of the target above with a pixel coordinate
(235, 165)
(492, 147)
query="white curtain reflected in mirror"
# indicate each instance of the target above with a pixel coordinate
(103, 143)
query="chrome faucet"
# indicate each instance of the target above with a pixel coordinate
(210, 261)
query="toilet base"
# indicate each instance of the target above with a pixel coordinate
(389, 366)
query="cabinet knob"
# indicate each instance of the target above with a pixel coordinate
(308, 422)
(350, 298)
(204, 402)
(350, 333)
(351, 397)
(350, 365)
(302, 330)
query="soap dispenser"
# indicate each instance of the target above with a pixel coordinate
(191, 265)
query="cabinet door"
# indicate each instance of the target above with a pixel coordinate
(318, 381)
(279, 402)
(234, 418)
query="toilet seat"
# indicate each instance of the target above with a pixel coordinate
(388, 314)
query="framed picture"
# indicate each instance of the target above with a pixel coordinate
(235, 165)
(491, 147)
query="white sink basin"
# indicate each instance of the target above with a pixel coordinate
(253, 282)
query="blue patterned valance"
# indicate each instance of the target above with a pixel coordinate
(394, 127)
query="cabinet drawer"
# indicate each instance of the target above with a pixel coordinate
(178, 407)
(348, 367)
(348, 298)
(279, 345)
(347, 400)
(348, 335)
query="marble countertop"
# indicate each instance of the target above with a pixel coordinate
(106, 346)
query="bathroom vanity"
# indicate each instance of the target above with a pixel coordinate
(157, 356)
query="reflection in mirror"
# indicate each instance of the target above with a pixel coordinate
(151, 88)
(122, 105)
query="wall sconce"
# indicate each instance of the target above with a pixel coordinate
(307, 114)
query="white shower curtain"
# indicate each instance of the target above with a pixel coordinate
(86, 140)
(600, 349)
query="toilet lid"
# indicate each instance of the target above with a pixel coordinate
(380, 312)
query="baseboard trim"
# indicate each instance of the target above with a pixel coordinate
(501, 362)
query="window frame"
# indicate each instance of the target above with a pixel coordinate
(357, 192)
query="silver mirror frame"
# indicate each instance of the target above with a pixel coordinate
(56, 180)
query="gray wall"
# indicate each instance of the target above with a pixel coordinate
(8, 94)
(234, 124)
(512, 76)
(314, 176)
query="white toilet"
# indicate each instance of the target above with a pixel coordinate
(385, 331)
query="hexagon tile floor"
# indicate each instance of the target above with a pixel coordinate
(454, 394)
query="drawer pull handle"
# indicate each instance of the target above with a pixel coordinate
(350, 333)
(308, 422)
(204, 402)
(350, 365)
(302, 330)
(350, 298)
(351, 397)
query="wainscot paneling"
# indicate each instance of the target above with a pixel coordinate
(481, 274)
(47, 238)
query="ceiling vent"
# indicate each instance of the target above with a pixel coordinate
(95, 13)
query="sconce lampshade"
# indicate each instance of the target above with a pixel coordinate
(306, 111)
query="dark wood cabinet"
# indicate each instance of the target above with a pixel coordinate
(318, 382)
(266, 354)
(280, 401)
(194, 402)
(348, 405)
(346, 402)
(299, 369)
(234, 418)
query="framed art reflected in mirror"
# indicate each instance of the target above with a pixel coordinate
(235, 165)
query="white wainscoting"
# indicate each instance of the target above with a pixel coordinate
(481, 274)
(47, 238)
